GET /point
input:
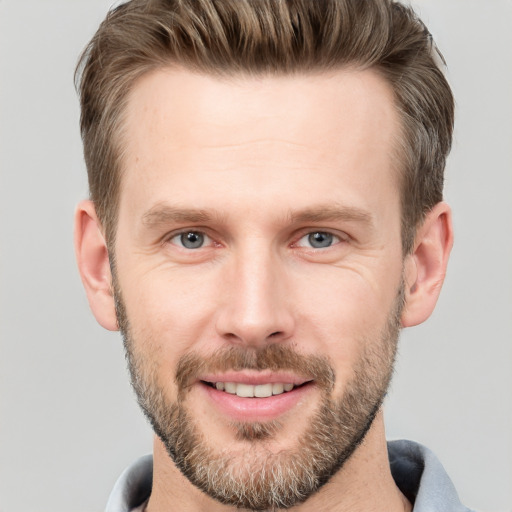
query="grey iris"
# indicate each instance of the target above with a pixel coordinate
(320, 239)
(192, 240)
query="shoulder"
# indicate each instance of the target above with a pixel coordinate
(422, 478)
(133, 487)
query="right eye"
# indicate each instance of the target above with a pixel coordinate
(191, 239)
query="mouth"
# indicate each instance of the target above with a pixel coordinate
(264, 390)
(250, 397)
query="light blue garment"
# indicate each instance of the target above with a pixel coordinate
(421, 477)
(416, 470)
(133, 487)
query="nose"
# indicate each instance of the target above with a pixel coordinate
(256, 307)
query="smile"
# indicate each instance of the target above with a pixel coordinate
(253, 391)
(247, 396)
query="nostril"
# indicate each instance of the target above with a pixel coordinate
(277, 333)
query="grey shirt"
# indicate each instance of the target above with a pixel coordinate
(416, 470)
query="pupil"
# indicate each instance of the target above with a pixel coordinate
(318, 240)
(192, 240)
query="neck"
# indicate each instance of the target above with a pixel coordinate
(363, 484)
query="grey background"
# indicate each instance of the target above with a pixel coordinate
(68, 421)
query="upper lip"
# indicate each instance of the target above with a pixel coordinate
(255, 377)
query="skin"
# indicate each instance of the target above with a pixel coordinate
(257, 164)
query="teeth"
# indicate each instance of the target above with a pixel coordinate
(263, 390)
(230, 387)
(245, 390)
(250, 391)
(277, 388)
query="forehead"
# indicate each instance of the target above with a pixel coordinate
(262, 134)
(198, 101)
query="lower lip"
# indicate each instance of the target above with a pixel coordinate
(256, 409)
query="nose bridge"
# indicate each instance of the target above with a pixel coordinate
(257, 309)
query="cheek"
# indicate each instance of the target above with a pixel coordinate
(347, 318)
(168, 310)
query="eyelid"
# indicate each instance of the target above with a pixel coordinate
(168, 238)
(340, 235)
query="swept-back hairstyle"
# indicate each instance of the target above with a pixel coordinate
(229, 37)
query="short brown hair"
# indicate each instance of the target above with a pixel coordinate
(268, 37)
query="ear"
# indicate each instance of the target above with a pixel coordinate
(425, 267)
(93, 264)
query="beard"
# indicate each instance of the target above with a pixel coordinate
(254, 477)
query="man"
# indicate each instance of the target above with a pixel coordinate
(266, 213)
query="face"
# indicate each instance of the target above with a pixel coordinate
(258, 273)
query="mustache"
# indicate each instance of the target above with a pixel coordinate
(273, 357)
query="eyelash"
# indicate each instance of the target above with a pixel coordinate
(335, 239)
(188, 232)
(332, 237)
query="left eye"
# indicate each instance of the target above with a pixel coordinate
(318, 240)
(191, 239)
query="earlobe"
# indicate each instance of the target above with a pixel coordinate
(93, 265)
(425, 267)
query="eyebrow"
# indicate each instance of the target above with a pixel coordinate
(164, 214)
(334, 213)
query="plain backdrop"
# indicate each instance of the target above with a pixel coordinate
(68, 420)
